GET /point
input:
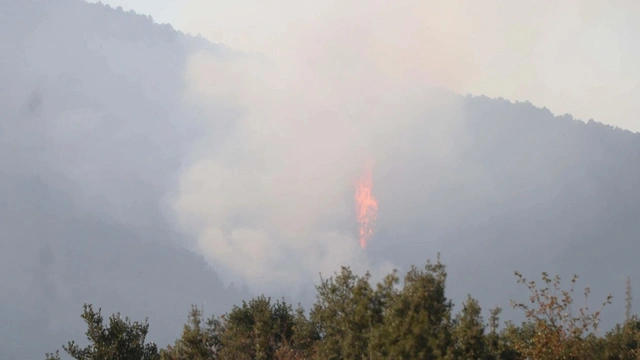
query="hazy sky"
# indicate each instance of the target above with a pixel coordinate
(566, 56)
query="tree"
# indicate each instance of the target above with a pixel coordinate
(623, 342)
(497, 343)
(120, 340)
(200, 339)
(305, 336)
(468, 332)
(353, 320)
(417, 320)
(346, 313)
(256, 330)
(551, 330)
(302, 344)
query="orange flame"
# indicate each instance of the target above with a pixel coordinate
(366, 206)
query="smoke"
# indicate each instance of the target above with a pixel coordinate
(272, 201)
(567, 56)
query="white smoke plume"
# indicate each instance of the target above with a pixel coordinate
(272, 202)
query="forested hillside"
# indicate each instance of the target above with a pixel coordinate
(95, 132)
(526, 191)
(88, 143)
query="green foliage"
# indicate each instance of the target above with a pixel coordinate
(499, 345)
(120, 340)
(200, 339)
(623, 341)
(345, 314)
(354, 320)
(305, 336)
(468, 333)
(256, 330)
(417, 320)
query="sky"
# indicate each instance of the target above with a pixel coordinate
(565, 56)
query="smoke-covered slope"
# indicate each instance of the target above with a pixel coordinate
(89, 141)
(95, 131)
(526, 191)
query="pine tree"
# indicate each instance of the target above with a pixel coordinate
(200, 339)
(256, 330)
(345, 316)
(120, 340)
(468, 333)
(417, 321)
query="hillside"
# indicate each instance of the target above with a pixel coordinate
(527, 191)
(87, 146)
(94, 134)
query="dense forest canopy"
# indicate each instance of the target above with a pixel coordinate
(353, 318)
(97, 133)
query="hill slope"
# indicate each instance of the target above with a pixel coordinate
(93, 134)
(89, 142)
(526, 191)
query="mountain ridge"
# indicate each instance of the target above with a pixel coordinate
(91, 140)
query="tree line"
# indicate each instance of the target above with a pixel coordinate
(353, 319)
